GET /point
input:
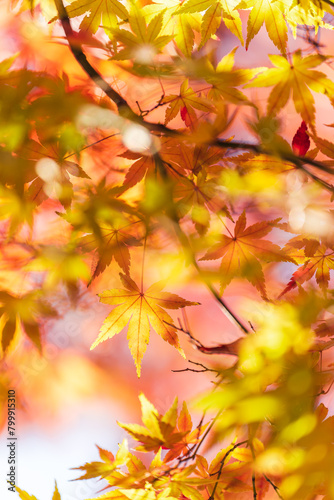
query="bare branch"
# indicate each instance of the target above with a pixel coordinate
(254, 487)
(205, 368)
(273, 485)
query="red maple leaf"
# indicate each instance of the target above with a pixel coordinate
(185, 115)
(301, 140)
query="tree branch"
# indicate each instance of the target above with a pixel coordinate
(76, 49)
(126, 111)
(219, 472)
(273, 485)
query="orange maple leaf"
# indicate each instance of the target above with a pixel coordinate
(186, 103)
(319, 261)
(113, 242)
(242, 253)
(173, 155)
(140, 310)
(189, 436)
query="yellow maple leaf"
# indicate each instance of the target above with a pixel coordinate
(24, 495)
(97, 10)
(298, 77)
(215, 13)
(186, 102)
(271, 13)
(307, 12)
(140, 310)
(144, 40)
(158, 430)
(56, 495)
(243, 252)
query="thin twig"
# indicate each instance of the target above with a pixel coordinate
(273, 485)
(92, 144)
(254, 487)
(205, 368)
(230, 349)
(199, 444)
(227, 310)
(219, 472)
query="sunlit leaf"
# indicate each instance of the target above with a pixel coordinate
(242, 253)
(140, 310)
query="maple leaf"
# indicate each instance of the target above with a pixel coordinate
(272, 14)
(200, 195)
(22, 314)
(188, 101)
(112, 241)
(223, 77)
(159, 431)
(95, 10)
(297, 77)
(318, 260)
(301, 140)
(174, 155)
(325, 328)
(144, 165)
(307, 12)
(25, 496)
(145, 40)
(61, 264)
(96, 469)
(326, 147)
(56, 495)
(184, 35)
(215, 12)
(242, 253)
(140, 310)
(189, 436)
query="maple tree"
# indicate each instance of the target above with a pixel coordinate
(150, 147)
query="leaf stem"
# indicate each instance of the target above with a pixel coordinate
(143, 265)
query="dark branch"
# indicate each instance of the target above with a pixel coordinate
(76, 49)
(254, 487)
(219, 472)
(231, 348)
(204, 368)
(273, 485)
(126, 111)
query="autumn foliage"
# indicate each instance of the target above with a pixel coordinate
(155, 154)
